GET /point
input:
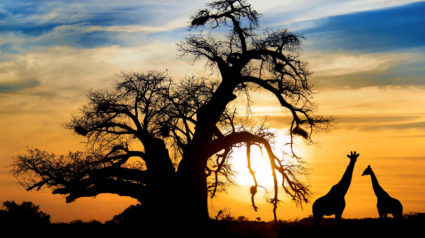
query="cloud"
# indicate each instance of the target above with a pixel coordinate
(64, 74)
(386, 100)
(358, 70)
(397, 126)
(379, 30)
(89, 24)
(375, 118)
(169, 26)
(105, 13)
(367, 109)
(304, 14)
(130, 23)
(7, 87)
(346, 63)
(374, 122)
(364, 122)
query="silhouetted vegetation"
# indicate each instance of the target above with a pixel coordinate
(26, 214)
(167, 143)
(132, 215)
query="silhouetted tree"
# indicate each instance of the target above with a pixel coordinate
(168, 144)
(25, 213)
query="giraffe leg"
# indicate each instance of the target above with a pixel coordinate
(338, 216)
(317, 219)
(381, 213)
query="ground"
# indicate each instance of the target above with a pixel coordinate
(409, 226)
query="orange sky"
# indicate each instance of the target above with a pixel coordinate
(375, 96)
(396, 155)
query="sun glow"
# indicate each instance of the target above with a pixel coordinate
(260, 162)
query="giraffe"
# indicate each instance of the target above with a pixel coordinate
(386, 204)
(333, 203)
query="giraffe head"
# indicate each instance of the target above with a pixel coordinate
(367, 171)
(353, 156)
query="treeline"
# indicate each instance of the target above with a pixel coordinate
(12, 213)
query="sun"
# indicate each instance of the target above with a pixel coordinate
(260, 163)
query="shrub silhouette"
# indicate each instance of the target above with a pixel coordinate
(130, 216)
(25, 213)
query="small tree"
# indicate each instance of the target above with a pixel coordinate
(167, 144)
(25, 213)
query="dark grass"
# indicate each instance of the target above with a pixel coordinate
(410, 226)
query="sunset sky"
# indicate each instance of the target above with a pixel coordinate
(367, 59)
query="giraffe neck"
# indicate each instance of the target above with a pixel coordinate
(379, 191)
(345, 181)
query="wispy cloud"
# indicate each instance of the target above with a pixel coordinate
(364, 122)
(305, 14)
(94, 24)
(15, 86)
(64, 74)
(397, 126)
(88, 24)
(326, 64)
(357, 70)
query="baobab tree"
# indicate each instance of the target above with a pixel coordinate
(167, 143)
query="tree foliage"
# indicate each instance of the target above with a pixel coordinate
(152, 138)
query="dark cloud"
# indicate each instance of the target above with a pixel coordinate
(402, 126)
(373, 119)
(12, 87)
(358, 81)
(373, 123)
(360, 122)
(400, 74)
(372, 31)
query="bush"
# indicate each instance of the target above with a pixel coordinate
(132, 215)
(26, 213)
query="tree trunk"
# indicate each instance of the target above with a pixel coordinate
(158, 203)
(178, 199)
(192, 195)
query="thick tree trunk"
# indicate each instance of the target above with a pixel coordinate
(192, 194)
(176, 198)
(158, 203)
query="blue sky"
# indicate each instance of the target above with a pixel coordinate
(370, 33)
(84, 24)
